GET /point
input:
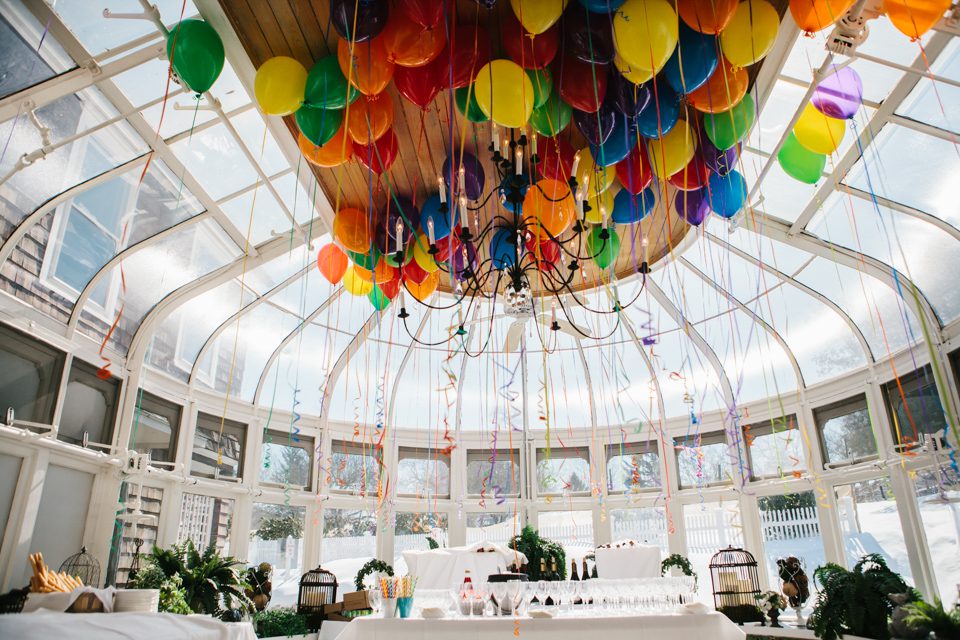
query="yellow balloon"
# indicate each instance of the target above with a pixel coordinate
(537, 17)
(600, 177)
(601, 206)
(354, 284)
(504, 93)
(751, 33)
(279, 85)
(630, 72)
(817, 132)
(421, 254)
(645, 33)
(673, 151)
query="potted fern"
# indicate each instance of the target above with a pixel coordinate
(945, 625)
(530, 544)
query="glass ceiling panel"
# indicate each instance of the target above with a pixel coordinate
(250, 127)
(776, 114)
(491, 393)
(299, 203)
(621, 387)
(304, 294)
(892, 238)
(268, 218)
(558, 388)
(22, 65)
(426, 379)
(780, 195)
(216, 161)
(146, 82)
(269, 275)
(783, 257)
(937, 104)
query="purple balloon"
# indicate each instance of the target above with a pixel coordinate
(692, 206)
(588, 36)
(596, 127)
(385, 223)
(839, 95)
(371, 17)
(630, 99)
(473, 177)
(720, 162)
(462, 258)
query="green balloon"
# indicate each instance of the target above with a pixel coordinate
(542, 81)
(319, 125)
(407, 257)
(378, 299)
(326, 86)
(471, 111)
(730, 127)
(552, 116)
(198, 59)
(366, 260)
(799, 162)
(604, 251)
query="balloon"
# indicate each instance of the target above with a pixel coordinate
(600, 178)
(600, 206)
(391, 257)
(549, 207)
(728, 128)
(552, 117)
(587, 36)
(432, 212)
(646, 33)
(279, 85)
(601, 6)
(421, 254)
(692, 206)
(542, 81)
(378, 298)
(582, 85)
(503, 248)
(913, 19)
(545, 252)
(337, 150)
(799, 162)
(319, 125)
(512, 190)
(358, 20)
(412, 271)
(630, 99)
(629, 208)
(505, 93)
(661, 114)
(618, 146)
(370, 117)
(724, 89)
(419, 85)
(751, 33)
(366, 260)
(196, 54)
(634, 171)
(817, 132)
(718, 161)
(398, 209)
(693, 61)
(707, 16)
(473, 175)
(603, 245)
(463, 261)
(634, 74)
(426, 13)
(423, 290)
(354, 284)
(839, 94)
(596, 127)
(816, 15)
(390, 288)
(530, 51)
(368, 68)
(447, 246)
(556, 159)
(469, 51)
(351, 228)
(408, 44)
(537, 17)
(466, 98)
(692, 177)
(727, 194)
(379, 156)
(384, 271)
(327, 88)
(332, 262)
(673, 151)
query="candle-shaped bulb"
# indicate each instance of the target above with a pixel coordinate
(519, 161)
(533, 143)
(603, 215)
(443, 189)
(576, 163)
(463, 208)
(553, 312)
(430, 233)
(462, 178)
(646, 248)
(399, 229)
(496, 139)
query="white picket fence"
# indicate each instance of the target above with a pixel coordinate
(790, 524)
(569, 534)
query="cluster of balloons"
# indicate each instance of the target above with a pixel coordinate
(196, 55)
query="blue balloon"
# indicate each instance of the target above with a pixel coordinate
(510, 183)
(618, 146)
(699, 54)
(629, 208)
(727, 193)
(431, 210)
(601, 6)
(661, 114)
(503, 249)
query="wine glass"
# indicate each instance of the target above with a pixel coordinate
(374, 597)
(542, 592)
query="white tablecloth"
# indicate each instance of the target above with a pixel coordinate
(116, 626)
(714, 626)
(639, 561)
(331, 629)
(445, 568)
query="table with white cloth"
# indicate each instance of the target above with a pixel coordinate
(637, 561)
(660, 627)
(445, 568)
(44, 625)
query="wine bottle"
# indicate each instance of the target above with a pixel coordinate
(584, 575)
(573, 569)
(554, 573)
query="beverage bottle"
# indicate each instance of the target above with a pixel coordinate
(573, 570)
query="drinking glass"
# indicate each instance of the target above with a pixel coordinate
(374, 597)
(542, 592)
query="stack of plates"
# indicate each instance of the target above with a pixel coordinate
(140, 600)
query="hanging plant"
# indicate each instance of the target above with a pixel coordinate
(677, 561)
(373, 566)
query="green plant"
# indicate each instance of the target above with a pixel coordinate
(530, 544)
(944, 624)
(280, 528)
(856, 601)
(770, 600)
(172, 596)
(280, 621)
(675, 560)
(741, 613)
(372, 566)
(433, 544)
(211, 582)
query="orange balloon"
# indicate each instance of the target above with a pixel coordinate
(549, 206)
(817, 15)
(337, 150)
(364, 274)
(409, 44)
(390, 289)
(425, 289)
(707, 16)
(384, 272)
(332, 262)
(916, 17)
(369, 118)
(372, 70)
(722, 91)
(352, 229)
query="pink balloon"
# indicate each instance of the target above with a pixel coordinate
(839, 95)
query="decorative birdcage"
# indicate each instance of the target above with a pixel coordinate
(318, 587)
(733, 573)
(84, 566)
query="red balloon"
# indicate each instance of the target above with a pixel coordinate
(470, 47)
(693, 176)
(426, 13)
(447, 246)
(420, 85)
(576, 80)
(545, 252)
(528, 50)
(414, 272)
(409, 44)
(556, 158)
(634, 170)
(390, 289)
(379, 156)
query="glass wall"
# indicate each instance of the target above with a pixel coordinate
(870, 523)
(790, 527)
(349, 541)
(276, 537)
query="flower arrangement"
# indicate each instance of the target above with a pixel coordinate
(770, 601)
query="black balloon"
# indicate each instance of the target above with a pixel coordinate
(630, 99)
(586, 35)
(369, 16)
(596, 127)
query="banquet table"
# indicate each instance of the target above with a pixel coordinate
(638, 561)
(51, 625)
(445, 568)
(661, 627)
